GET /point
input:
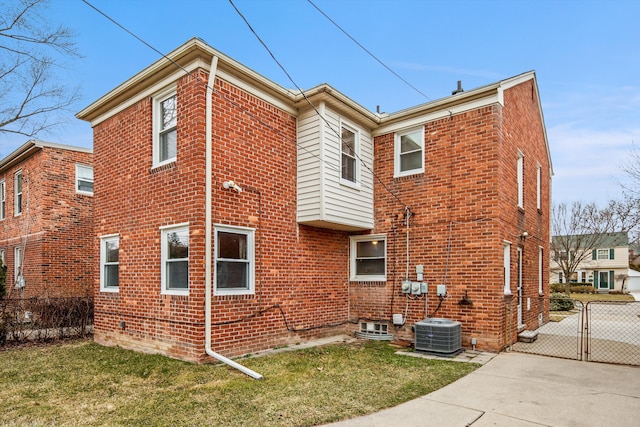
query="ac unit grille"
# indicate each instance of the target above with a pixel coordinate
(442, 336)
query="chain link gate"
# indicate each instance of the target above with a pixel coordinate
(598, 331)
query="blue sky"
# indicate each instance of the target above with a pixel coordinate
(586, 55)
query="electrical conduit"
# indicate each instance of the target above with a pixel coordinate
(208, 230)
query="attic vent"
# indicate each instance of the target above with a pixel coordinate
(374, 331)
(441, 336)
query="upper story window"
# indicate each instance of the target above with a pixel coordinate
(409, 152)
(539, 187)
(234, 258)
(17, 193)
(348, 161)
(165, 128)
(603, 254)
(368, 258)
(109, 263)
(84, 179)
(520, 172)
(3, 198)
(175, 259)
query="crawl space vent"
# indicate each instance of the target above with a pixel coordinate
(374, 331)
(439, 336)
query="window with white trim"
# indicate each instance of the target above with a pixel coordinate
(409, 152)
(540, 269)
(165, 121)
(368, 258)
(234, 260)
(539, 187)
(109, 263)
(507, 268)
(3, 198)
(520, 179)
(604, 254)
(17, 193)
(84, 179)
(175, 259)
(349, 150)
(17, 264)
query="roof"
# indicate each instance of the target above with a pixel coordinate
(31, 147)
(196, 54)
(608, 240)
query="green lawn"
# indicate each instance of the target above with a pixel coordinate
(601, 297)
(83, 383)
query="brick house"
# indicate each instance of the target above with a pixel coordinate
(46, 220)
(230, 217)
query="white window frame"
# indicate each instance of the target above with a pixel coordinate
(520, 173)
(103, 242)
(539, 187)
(17, 195)
(353, 257)
(2, 258)
(79, 179)
(3, 199)
(250, 260)
(356, 154)
(158, 99)
(506, 254)
(604, 257)
(164, 232)
(397, 152)
(17, 263)
(540, 268)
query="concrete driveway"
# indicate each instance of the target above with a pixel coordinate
(518, 390)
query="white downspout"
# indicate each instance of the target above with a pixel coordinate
(208, 231)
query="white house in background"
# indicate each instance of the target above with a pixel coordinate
(607, 269)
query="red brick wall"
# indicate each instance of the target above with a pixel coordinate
(301, 272)
(463, 208)
(58, 258)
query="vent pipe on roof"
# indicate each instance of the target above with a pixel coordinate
(459, 89)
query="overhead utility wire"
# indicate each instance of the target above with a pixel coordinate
(311, 104)
(368, 51)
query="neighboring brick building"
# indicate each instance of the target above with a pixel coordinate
(46, 220)
(220, 191)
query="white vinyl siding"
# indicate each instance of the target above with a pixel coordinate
(323, 198)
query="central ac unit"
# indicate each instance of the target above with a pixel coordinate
(442, 336)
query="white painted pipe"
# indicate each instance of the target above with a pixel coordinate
(208, 230)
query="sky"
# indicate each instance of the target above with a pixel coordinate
(586, 55)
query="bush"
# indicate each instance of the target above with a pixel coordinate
(556, 288)
(560, 302)
(583, 289)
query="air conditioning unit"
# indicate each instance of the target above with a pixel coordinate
(441, 336)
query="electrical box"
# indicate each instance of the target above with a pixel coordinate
(415, 288)
(441, 290)
(420, 272)
(424, 287)
(406, 287)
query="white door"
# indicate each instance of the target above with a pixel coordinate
(520, 287)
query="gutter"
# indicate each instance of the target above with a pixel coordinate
(208, 230)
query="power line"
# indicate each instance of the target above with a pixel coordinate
(368, 51)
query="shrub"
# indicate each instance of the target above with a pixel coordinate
(583, 289)
(560, 302)
(3, 280)
(556, 287)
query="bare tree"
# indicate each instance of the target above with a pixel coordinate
(580, 228)
(32, 51)
(632, 169)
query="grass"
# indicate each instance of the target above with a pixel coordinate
(601, 297)
(83, 383)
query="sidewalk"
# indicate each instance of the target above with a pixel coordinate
(522, 390)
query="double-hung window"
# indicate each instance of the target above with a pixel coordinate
(3, 198)
(349, 149)
(175, 259)
(165, 111)
(520, 174)
(109, 263)
(84, 179)
(604, 254)
(409, 152)
(234, 258)
(17, 267)
(368, 258)
(17, 193)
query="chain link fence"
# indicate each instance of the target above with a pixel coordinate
(598, 331)
(45, 319)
